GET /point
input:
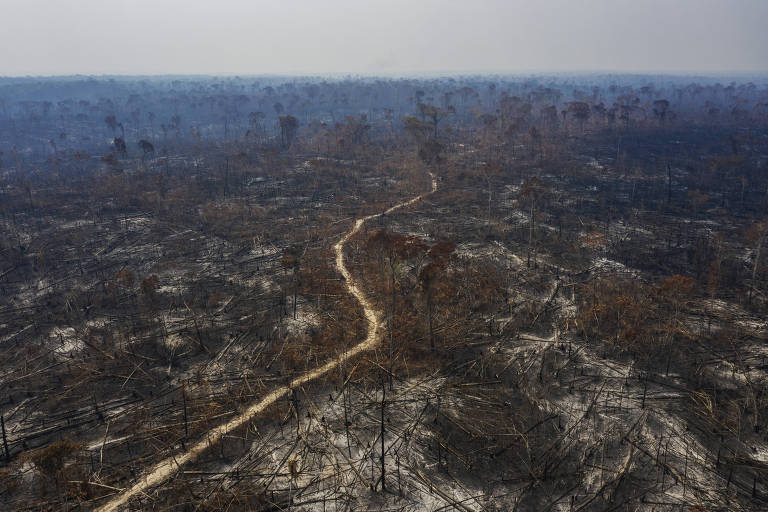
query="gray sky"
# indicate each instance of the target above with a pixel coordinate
(42, 37)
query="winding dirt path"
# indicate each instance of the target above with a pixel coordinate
(168, 467)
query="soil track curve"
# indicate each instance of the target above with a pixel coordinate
(169, 466)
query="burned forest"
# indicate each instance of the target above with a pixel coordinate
(475, 293)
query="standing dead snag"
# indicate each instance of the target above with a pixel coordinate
(532, 191)
(489, 173)
(757, 233)
(184, 404)
(383, 452)
(5, 440)
(431, 276)
(292, 260)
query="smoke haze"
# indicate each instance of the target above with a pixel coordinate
(42, 37)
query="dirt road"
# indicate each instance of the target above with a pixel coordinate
(168, 467)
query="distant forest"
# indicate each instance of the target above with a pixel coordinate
(59, 117)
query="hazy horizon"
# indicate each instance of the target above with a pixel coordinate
(396, 38)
